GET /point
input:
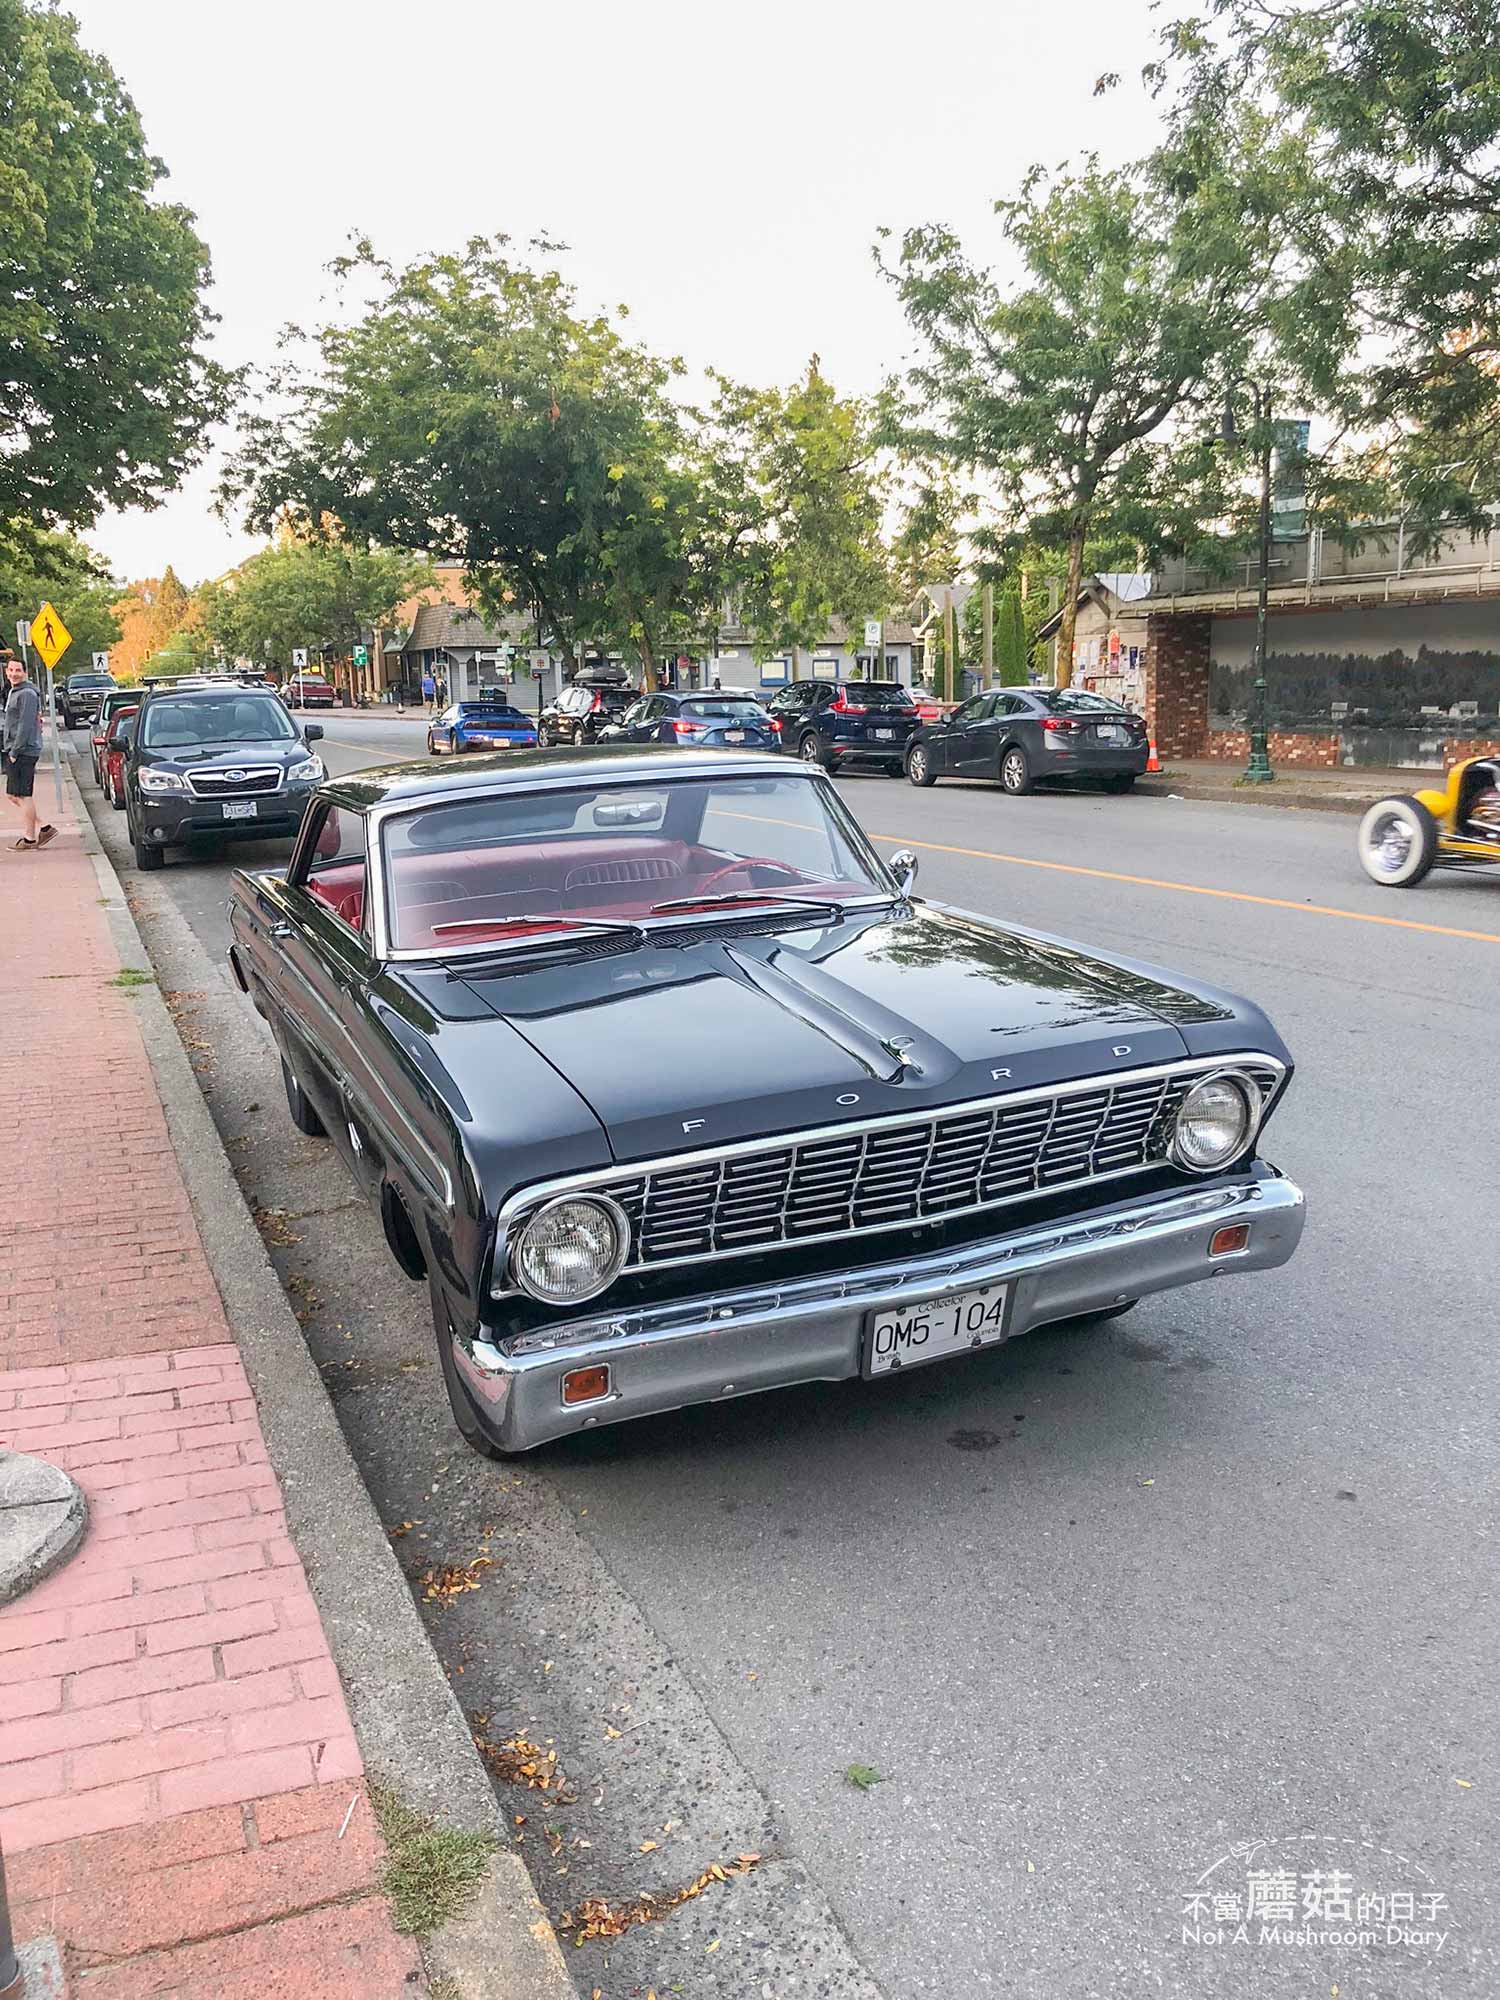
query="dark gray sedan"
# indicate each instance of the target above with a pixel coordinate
(1019, 736)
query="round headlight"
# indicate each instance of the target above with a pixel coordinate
(1215, 1123)
(571, 1249)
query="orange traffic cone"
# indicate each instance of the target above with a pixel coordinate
(1153, 762)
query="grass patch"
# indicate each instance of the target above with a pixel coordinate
(131, 975)
(432, 1871)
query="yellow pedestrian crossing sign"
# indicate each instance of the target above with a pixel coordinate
(50, 636)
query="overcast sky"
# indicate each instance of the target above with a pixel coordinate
(722, 171)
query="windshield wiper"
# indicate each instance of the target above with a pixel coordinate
(537, 932)
(744, 896)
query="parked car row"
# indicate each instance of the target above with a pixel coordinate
(1018, 737)
(205, 763)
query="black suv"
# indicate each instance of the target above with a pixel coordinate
(834, 723)
(582, 709)
(80, 695)
(215, 763)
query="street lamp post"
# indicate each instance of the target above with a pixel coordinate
(1258, 771)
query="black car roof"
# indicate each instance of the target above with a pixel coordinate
(613, 763)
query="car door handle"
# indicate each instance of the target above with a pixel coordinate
(280, 931)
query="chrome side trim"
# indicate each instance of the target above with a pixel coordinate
(520, 1204)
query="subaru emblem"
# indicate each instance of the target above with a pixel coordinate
(234, 777)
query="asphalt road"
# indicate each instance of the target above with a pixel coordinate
(1097, 1605)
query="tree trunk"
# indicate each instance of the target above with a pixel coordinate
(649, 677)
(1071, 589)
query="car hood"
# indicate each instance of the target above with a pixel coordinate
(226, 756)
(705, 1036)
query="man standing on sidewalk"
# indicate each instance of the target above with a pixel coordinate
(22, 745)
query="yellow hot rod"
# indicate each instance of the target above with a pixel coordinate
(1401, 838)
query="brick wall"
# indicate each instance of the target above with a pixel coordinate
(1459, 748)
(1177, 685)
(1287, 746)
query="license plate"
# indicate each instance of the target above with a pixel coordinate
(734, 735)
(903, 1337)
(239, 809)
(889, 735)
(1109, 734)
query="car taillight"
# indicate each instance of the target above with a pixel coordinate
(597, 703)
(845, 707)
(775, 724)
(682, 728)
(1059, 725)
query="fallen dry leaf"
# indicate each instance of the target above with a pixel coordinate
(595, 1917)
(646, 1847)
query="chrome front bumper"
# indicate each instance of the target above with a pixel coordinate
(737, 1342)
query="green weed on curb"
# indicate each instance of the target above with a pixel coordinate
(129, 976)
(432, 1871)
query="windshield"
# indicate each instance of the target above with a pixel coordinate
(90, 681)
(1073, 701)
(246, 718)
(491, 711)
(876, 694)
(462, 874)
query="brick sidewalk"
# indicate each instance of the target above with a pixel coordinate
(177, 1764)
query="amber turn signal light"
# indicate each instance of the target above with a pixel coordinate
(586, 1385)
(1224, 1242)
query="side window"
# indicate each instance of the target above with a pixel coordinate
(1014, 704)
(972, 710)
(820, 696)
(330, 863)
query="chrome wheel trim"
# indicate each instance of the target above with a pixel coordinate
(919, 764)
(1012, 770)
(807, 749)
(1389, 843)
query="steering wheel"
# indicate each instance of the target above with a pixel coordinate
(749, 861)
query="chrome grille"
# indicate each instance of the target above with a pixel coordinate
(892, 1173)
(253, 781)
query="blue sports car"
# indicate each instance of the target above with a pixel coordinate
(480, 725)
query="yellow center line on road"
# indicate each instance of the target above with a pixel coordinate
(1189, 888)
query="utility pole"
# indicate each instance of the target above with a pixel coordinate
(1258, 770)
(950, 635)
(989, 635)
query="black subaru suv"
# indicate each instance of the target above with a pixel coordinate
(79, 697)
(216, 763)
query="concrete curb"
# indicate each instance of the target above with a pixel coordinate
(43, 1514)
(411, 1730)
(1284, 796)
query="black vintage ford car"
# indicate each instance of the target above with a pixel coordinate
(670, 1090)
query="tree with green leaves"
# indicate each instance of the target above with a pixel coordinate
(1077, 390)
(328, 592)
(1386, 120)
(57, 568)
(472, 414)
(105, 389)
(1012, 653)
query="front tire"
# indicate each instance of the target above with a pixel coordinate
(1398, 842)
(1015, 772)
(465, 1420)
(919, 769)
(431, 746)
(147, 857)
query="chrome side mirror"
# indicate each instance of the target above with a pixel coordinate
(903, 865)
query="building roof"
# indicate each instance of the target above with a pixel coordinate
(454, 628)
(1109, 592)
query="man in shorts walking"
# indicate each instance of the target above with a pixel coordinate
(22, 745)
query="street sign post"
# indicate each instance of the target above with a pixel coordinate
(299, 657)
(52, 639)
(101, 662)
(361, 656)
(23, 633)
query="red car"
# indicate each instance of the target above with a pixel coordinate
(114, 700)
(112, 756)
(308, 691)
